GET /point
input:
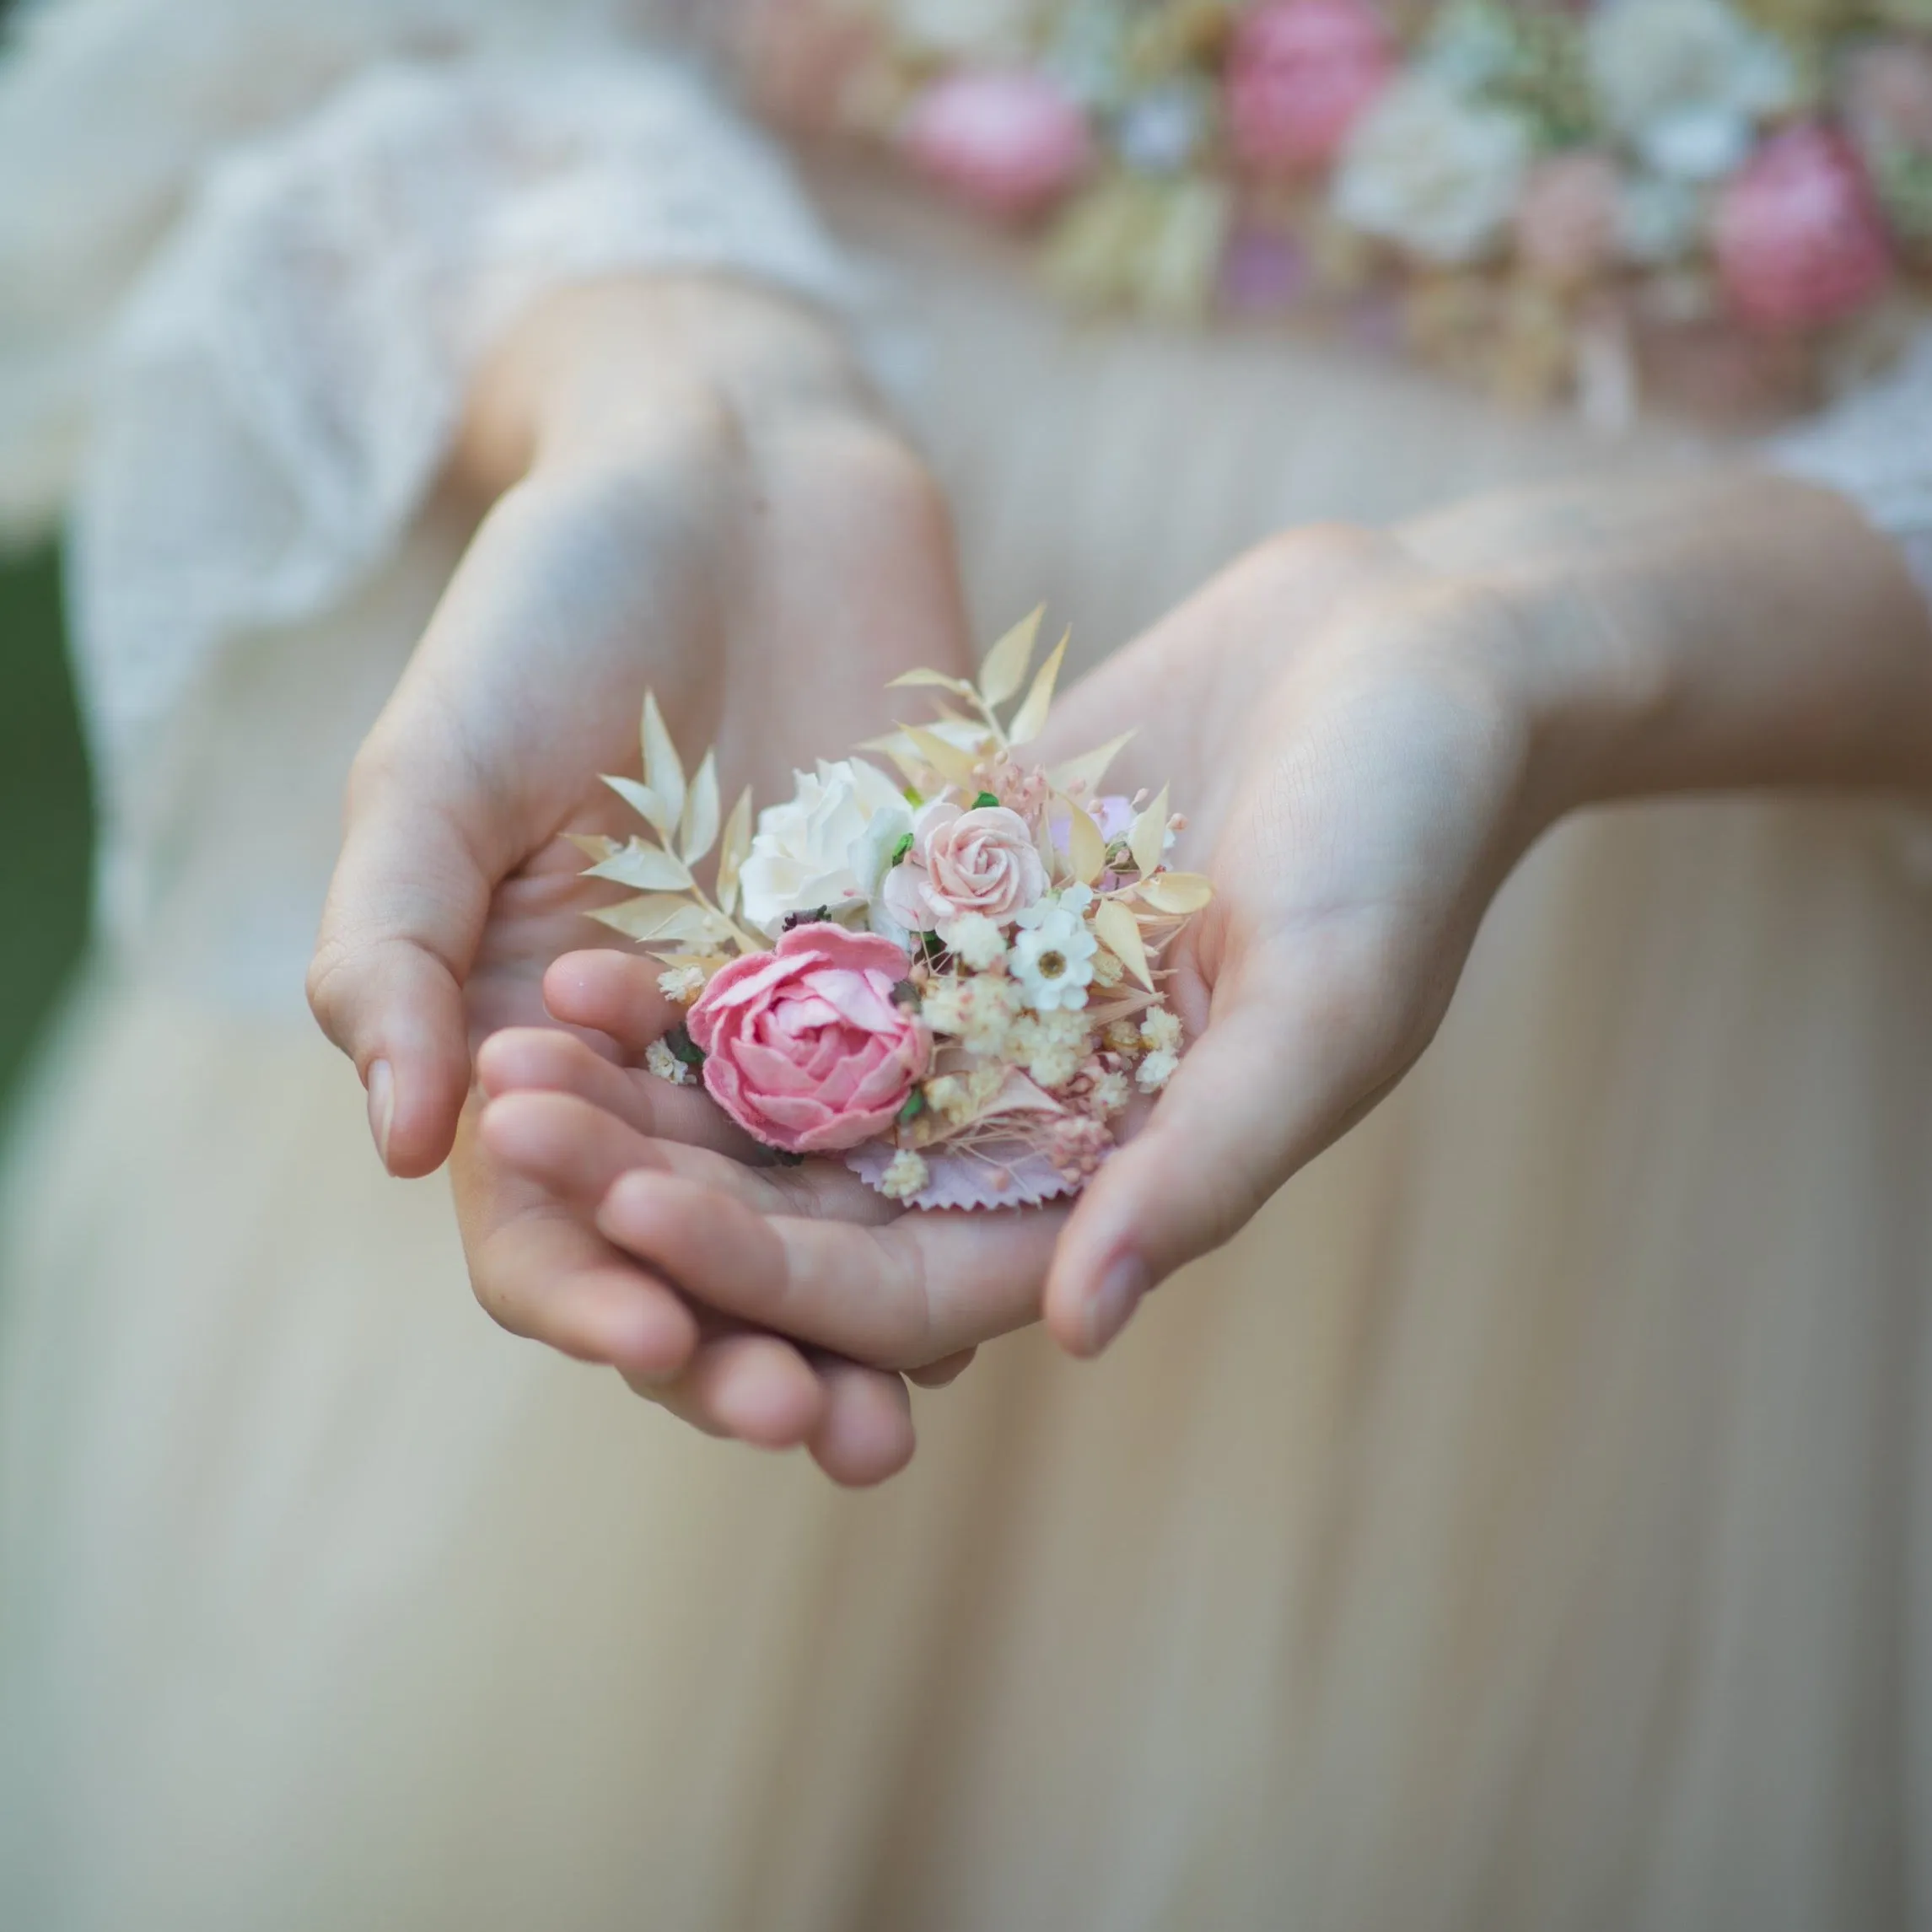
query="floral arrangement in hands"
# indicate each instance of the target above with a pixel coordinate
(954, 984)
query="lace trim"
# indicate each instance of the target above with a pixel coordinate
(288, 377)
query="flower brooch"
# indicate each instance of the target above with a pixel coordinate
(953, 983)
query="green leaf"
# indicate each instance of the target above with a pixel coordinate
(984, 801)
(915, 1105)
(1004, 669)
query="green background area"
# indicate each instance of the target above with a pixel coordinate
(44, 807)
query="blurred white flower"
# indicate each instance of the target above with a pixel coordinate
(828, 845)
(1687, 82)
(1433, 172)
(969, 30)
(1658, 218)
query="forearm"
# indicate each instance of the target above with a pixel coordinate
(599, 369)
(1733, 629)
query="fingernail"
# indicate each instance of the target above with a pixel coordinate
(382, 1105)
(1110, 1311)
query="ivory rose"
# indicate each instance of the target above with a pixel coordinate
(978, 861)
(827, 845)
(804, 1046)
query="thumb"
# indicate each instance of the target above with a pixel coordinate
(404, 911)
(1292, 1056)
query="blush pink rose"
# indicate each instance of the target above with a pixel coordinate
(803, 1046)
(1798, 236)
(1300, 73)
(978, 861)
(1009, 143)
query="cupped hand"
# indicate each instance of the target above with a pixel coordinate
(697, 495)
(1343, 723)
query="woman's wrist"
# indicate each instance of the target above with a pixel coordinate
(1728, 631)
(629, 365)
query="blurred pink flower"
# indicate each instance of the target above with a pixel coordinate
(1009, 142)
(1797, 234)
(1567, 222)
(1299, 74)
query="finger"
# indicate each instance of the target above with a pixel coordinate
(612, 993)
(547, 1275)
(404, 912)
(1289, 1059)
(943, 1373)
(576, 1153)
(866, 1434)
(541, 1059)
(919, 1288)
(750, 1388)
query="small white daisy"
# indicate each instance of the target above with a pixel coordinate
(1052, 957)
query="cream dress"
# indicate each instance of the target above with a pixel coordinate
(1524, 1525)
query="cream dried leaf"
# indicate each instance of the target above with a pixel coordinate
(1006, 664)
(645, 803)
(1177, 893)
(1119, 932)
(1086, 847)
(736, 848)
(697, 832)
(646, 868)
(1031, 719)
(664, 769)
(1086, 771)
(1148, 840)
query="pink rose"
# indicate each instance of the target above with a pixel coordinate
(1011, 142)
(1798, 235)
(1566, 225)
(1300, 73)
(803, 1046)
(979, 861)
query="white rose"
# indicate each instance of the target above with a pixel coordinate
(1686, 82)
(829, 845)
(1436, 174)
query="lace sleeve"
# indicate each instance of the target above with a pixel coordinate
(287, 380)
